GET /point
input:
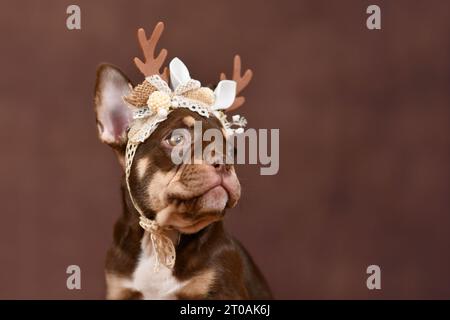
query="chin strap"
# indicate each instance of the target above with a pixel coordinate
(162, 245)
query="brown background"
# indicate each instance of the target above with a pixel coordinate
(364, 149)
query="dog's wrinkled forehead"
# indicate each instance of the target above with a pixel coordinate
(151, 148)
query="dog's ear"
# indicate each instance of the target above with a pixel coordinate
(113, 114)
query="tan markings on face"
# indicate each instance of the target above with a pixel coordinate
(191, 180)
(141, 167)
(189, 121)
(157, 189)
(163, 218)
(198, 286)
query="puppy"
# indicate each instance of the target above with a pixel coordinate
(188, 201)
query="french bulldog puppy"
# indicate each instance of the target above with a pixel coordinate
(189, 199)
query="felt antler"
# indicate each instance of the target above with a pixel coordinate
(152, 65)
(241, 82)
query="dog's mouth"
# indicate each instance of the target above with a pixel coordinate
(192, 207)
(189, 215)
(214, 197)
(193, 225)
(213, 186)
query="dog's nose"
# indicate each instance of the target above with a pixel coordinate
(220, 167)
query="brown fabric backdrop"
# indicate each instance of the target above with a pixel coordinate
(364, 140)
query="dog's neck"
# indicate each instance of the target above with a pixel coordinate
(132, 215)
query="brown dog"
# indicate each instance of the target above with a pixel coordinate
(188, 199)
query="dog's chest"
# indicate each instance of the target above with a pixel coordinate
(160, 284)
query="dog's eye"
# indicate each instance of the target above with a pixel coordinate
(175, 139)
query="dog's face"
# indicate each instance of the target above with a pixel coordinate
(186, 196)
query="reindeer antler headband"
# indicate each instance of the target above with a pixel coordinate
(154, 99)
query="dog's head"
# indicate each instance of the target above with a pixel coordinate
(186, 196)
